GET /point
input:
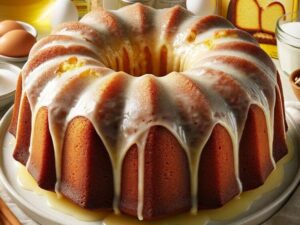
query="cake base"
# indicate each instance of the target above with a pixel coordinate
(240, 210)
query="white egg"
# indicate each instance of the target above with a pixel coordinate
(202, 7)
(63, 11)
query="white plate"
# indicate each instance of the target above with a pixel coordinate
(30, 29)
(13, 59)
(7, 98)
(36, 207)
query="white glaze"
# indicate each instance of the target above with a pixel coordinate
(195, 59)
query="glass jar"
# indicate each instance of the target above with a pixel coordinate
(288, 42)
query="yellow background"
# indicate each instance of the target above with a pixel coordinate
(289, 5)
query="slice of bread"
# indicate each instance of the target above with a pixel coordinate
(269, 16)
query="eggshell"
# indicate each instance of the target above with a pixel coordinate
(8, 25)
(16, 43)
(63, 11)
(202, 7)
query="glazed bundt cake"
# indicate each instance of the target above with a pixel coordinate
(138, 108)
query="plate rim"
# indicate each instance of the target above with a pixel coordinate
(29, 28)
(7, 98)
(13, 59)
(22, 203)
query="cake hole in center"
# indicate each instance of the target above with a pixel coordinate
(144, 61)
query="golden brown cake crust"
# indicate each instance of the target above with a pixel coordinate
(86, 171)
(130, 116)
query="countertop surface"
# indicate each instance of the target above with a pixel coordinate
(288, 214)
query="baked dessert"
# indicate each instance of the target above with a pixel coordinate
(264, 17)
(138, 108)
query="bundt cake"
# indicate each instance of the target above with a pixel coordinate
(149, 112)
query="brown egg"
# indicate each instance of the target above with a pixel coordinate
(8, 25)
(16, 43)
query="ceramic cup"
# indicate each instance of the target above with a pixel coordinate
(295, 87)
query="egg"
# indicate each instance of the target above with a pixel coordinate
(8, 25)
(63, 11)
(202, 7)
(16, 43)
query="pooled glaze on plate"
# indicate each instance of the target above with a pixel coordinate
(36, 206)
(235, 207)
